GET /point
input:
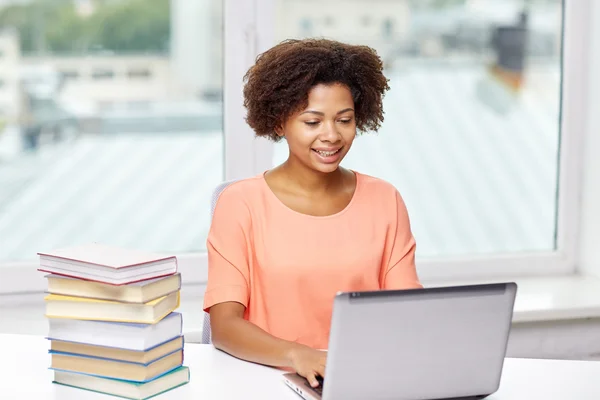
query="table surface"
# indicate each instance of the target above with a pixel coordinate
(216, 375)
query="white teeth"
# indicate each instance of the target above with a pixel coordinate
(327, 153)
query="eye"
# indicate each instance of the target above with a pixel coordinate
(346, 120)
(312, 123)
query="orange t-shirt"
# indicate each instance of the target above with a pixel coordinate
(286, 267)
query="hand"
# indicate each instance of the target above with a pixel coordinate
(309, 363)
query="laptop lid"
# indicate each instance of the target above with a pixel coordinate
(433, 343)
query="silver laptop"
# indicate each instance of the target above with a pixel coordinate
(433, 343)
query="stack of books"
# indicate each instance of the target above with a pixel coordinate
(113, 328)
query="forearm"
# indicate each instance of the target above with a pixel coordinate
(243, 339)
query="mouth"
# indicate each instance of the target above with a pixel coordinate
(328, 153)
(332, 156)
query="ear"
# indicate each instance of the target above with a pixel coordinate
(279, 131)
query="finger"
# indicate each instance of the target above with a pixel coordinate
(312, 380)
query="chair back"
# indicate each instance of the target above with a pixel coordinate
(206, 333)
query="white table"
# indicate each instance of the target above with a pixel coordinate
(24, 373)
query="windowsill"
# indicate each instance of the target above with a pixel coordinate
(539, 299)
(550, 298)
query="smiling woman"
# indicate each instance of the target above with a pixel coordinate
(327, 133)
(284, 242)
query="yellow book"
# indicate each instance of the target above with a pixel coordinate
(117, 369)
(117, 354)
(58, 306)
(139, 292)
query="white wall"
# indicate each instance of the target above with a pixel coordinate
(589, 259)
(571, 340)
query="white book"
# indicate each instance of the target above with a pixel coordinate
(139, 337)
(107, 264)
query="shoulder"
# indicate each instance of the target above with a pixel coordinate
(237, 194)
(239, 187)
(376, 186)
(384, 201)
(379, 193)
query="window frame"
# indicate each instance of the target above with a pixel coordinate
(574, 108)
(249, 30)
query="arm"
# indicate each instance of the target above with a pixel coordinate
(400, 271)
(233, 334)
(228, 295)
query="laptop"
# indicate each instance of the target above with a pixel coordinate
(432, 343)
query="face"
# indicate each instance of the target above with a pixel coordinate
(321, 135)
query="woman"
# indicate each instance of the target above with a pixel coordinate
(283, 243)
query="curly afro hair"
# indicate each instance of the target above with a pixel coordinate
(278, 84)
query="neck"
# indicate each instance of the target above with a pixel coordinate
(310, 180)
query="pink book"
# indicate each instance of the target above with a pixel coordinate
(107, 264)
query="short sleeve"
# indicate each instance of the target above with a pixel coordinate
(401, 273)
(228, 249)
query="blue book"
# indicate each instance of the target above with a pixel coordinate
(122, 388)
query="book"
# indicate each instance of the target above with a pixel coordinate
(107, 264)
(58, 306)
(127, 336)
(112, 353)
(137, 292)
(116, 369)
(125, 389)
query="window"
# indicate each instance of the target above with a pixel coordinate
(70, 74)
(103, 73)
(474, 131)
(140, 177)
(486, 157)
(306, 26)
(139, 73)
(388, 28)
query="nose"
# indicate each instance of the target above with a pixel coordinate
(330, 133)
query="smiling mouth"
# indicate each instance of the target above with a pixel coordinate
(327, 153)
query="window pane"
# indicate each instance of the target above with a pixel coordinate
(111, 124)
(471, 131)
